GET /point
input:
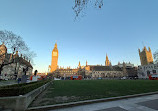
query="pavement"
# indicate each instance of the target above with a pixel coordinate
(9, 82)
(143, 103)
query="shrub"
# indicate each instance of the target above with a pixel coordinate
(20, 89)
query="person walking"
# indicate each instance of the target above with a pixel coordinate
(35, 77)
(19, 79)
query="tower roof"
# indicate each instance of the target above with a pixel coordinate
(107, 57)
(55, 46)
(144, 49)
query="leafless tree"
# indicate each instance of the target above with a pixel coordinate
(156, 57)
(13, 43)
(30, 55)
(81, 5)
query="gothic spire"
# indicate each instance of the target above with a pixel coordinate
(79, 64)
(55, 46)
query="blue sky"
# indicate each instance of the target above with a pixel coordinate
(118, 29)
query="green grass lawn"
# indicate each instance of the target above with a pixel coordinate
(68, 91)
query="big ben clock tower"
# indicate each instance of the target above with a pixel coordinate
(54, 63)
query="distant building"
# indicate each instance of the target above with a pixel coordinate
(103, 71)
(19, 67)
(99, 71)
(145, 70)
(128, 65)
(145, 56)
(128, 69)
(66, 72)
(79, 65)
(91, 71)
(54, 63)
(107, 62)
(147, 66)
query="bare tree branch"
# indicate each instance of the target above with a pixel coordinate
(30, 55)
(81, 5)
(156, 57)
(13, 43)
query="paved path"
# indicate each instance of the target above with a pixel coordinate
(9, 82)
(145, 103)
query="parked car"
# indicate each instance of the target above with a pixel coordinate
(123, 78)
(99, 78)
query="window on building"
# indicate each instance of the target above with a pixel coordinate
(148, 73)
(154, 71)
(155, 67)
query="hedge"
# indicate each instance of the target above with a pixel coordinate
(20, 89)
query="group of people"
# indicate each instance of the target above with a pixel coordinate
(26, 79)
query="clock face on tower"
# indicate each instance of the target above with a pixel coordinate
(54, 53)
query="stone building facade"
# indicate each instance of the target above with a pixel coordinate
(91, 71)
(66, 72)
(147, 66)
(146, 70)
(16, 65)
(128, 69)
(127, 64)
(145, 56)
(54, 63)
(103, 71)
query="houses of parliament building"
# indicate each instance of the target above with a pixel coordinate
(92, 71)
